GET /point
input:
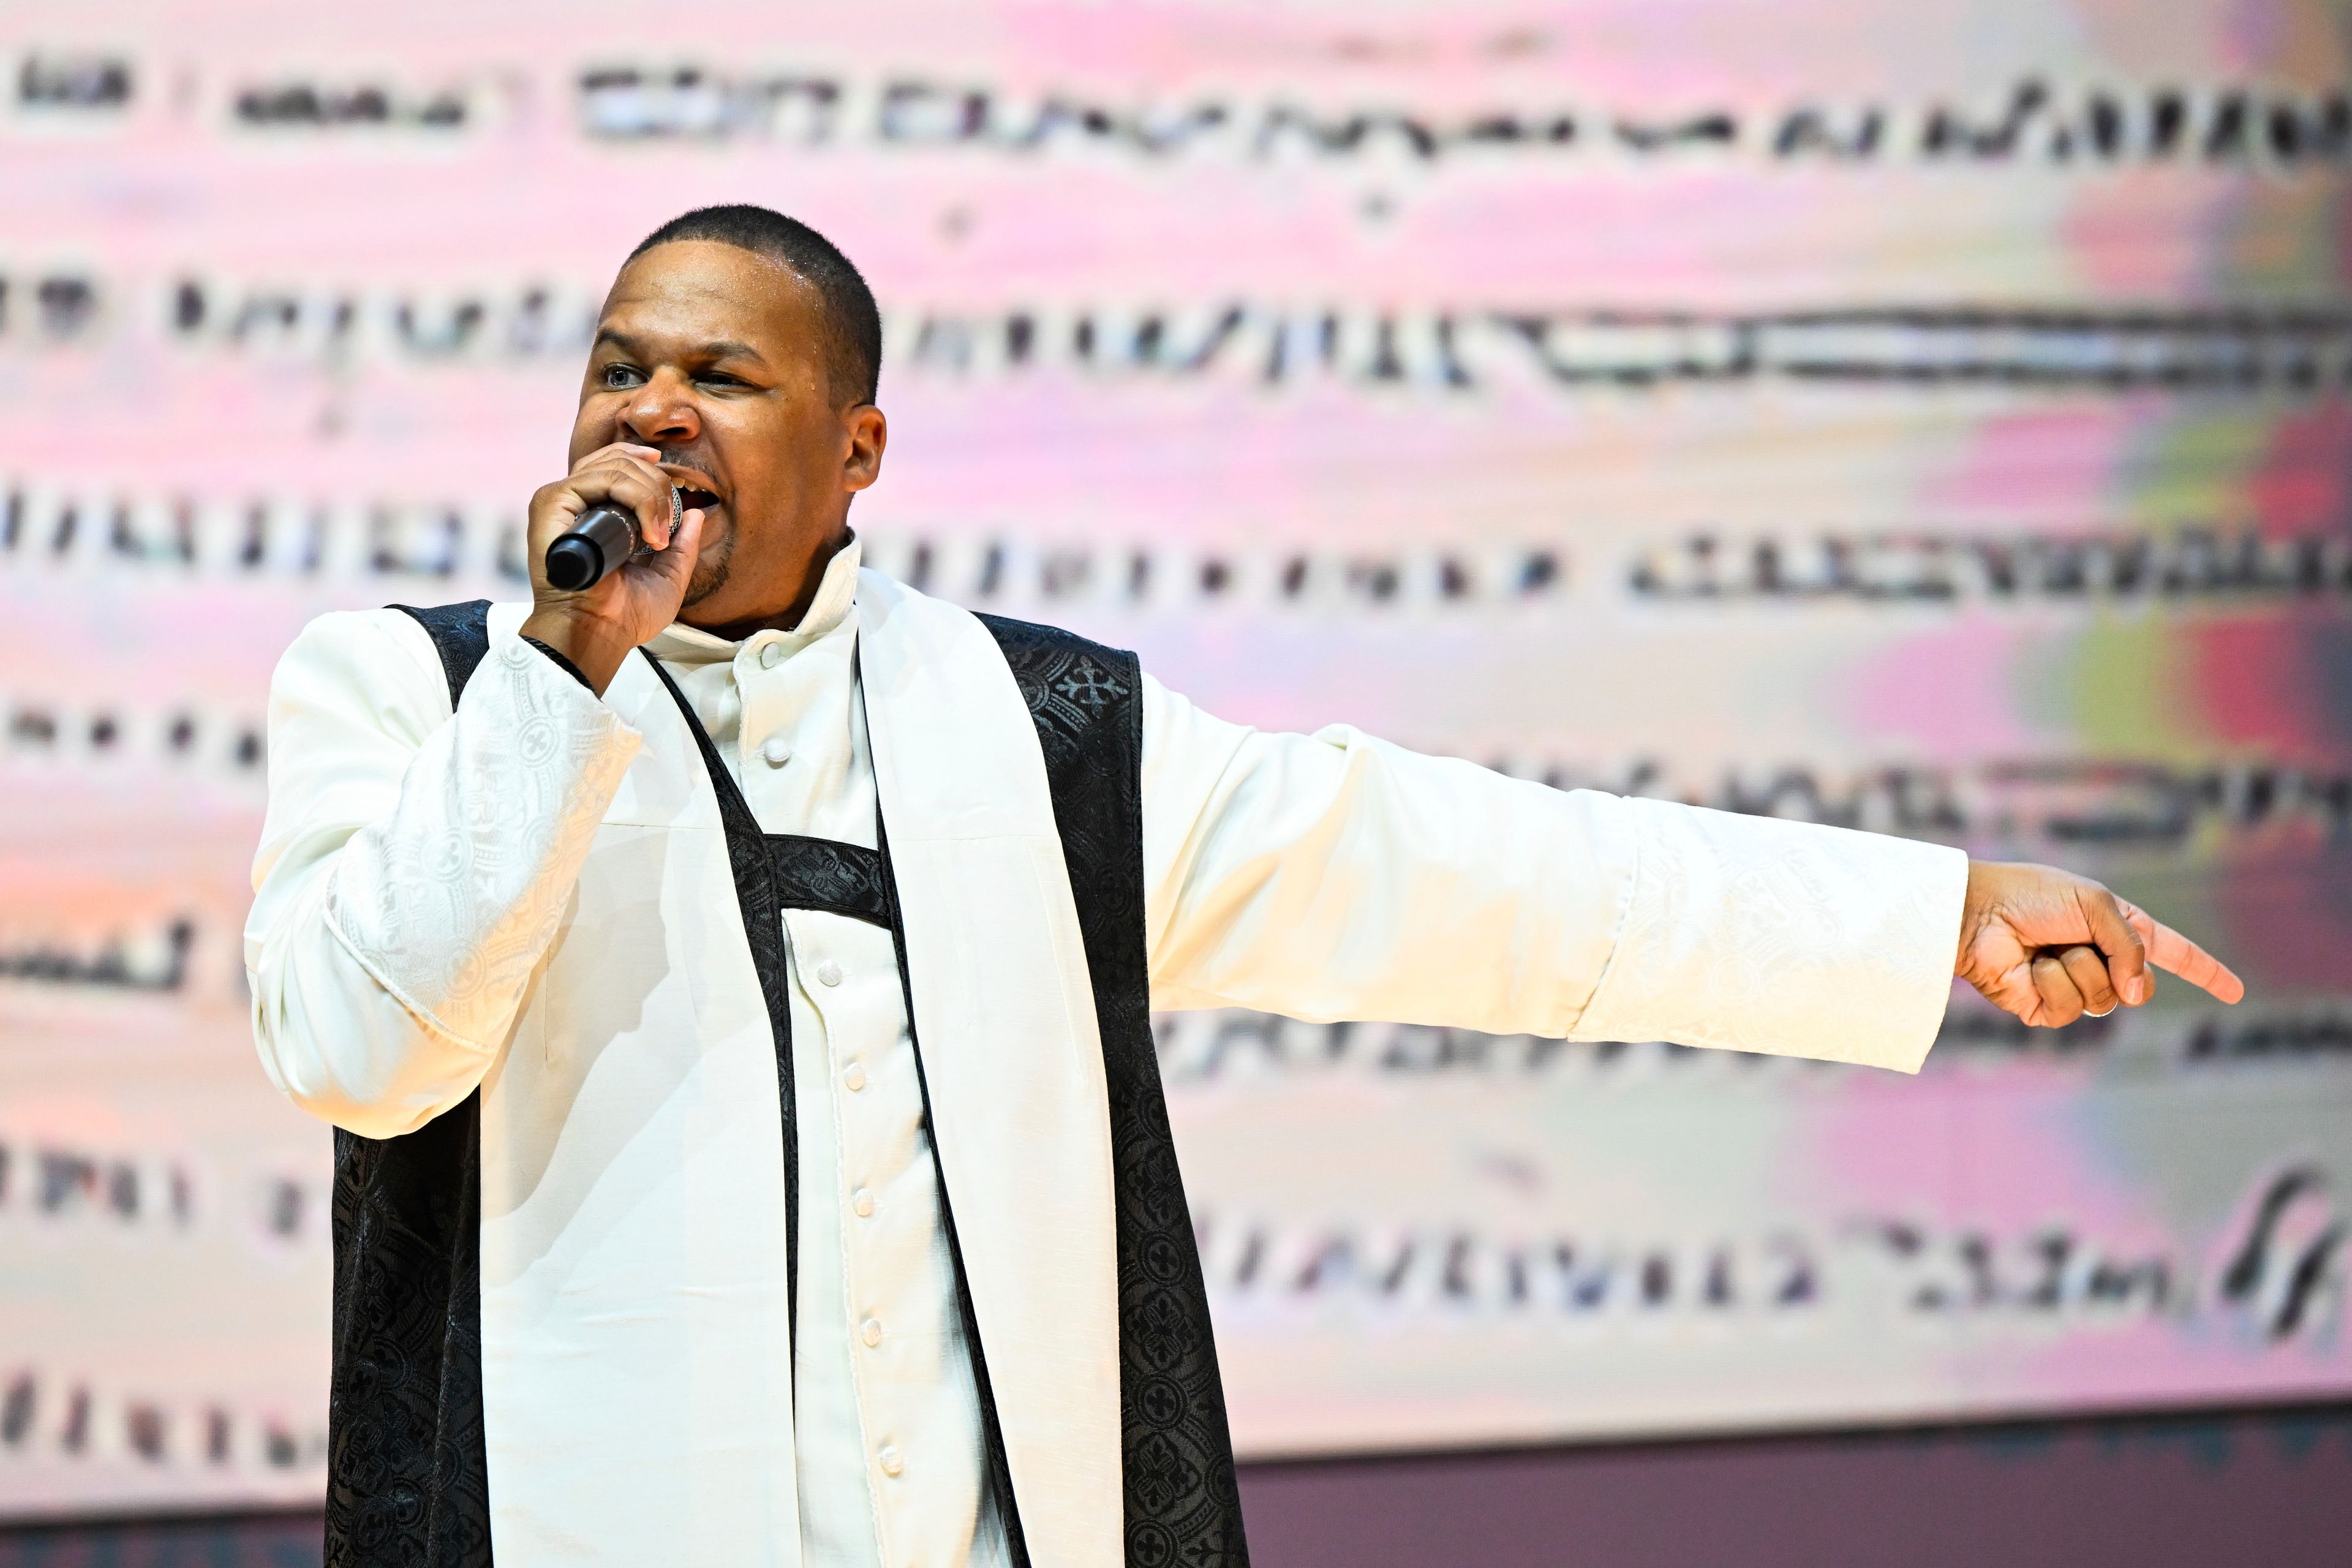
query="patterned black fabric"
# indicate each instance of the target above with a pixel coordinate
(1183, 1508)
(826, 874)
(407, 1477)
(461, 636)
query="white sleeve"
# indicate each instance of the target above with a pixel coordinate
(414, 863)
(1335, 875)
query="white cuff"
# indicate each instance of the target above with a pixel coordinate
(1756, 935)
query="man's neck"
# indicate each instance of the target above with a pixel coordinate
(811, 578)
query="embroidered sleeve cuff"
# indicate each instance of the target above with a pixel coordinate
(562, 663)
(1755, 934)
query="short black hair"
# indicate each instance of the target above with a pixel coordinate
(852, 322)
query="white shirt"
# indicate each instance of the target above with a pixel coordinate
(530, 897)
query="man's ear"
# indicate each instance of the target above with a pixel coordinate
(869, 433)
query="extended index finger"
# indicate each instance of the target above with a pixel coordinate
(2176, 954)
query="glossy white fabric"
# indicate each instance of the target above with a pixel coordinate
(1339, 876)
(534, 896)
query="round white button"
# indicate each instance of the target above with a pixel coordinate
(770, 655)
(863, 1203)
(892, 1460)
(829, 973)
(854, 1076)
(778, 751)
(870, 1330)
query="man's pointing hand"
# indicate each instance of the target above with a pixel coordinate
(2050, 946)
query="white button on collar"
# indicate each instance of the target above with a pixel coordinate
(863, 1203)
(778, 751)
(854, 1076)
(771, 654)
(870, 1330)
(892, 1460)
(829, 973)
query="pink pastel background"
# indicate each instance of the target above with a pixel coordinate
(2132, 1145)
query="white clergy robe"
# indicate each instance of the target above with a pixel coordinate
(530, 897)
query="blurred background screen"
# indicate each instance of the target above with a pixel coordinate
(1928, 417)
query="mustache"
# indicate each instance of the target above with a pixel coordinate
(683, 462)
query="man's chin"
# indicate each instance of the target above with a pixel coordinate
(705, 582)
(709, 574)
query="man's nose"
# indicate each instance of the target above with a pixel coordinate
(663, 413)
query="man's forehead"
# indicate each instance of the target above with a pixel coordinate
(707, 289)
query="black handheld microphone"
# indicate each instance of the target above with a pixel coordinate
(599, 540)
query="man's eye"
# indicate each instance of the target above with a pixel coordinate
(720, 378)
(620, 376)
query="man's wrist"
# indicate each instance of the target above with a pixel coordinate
(1970, 899)
(592, 650)
(562, 663)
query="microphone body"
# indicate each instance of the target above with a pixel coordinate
(598, 541)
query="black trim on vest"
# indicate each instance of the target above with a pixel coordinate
(764, 927)
(461, 636)
(408, 1472)
(1182, 1503)
(407, 1475)
(828, 875)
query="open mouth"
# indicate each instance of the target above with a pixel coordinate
(693, 487)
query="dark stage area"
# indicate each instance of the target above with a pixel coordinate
(2273, 1487)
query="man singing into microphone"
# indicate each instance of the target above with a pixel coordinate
(731, 986)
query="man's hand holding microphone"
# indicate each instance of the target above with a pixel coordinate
(597, 626)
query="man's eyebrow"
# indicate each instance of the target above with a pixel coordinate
(725, 348)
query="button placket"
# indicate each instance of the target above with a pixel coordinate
(762, 740)
(866, 1275)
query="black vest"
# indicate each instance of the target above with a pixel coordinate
(407, 1473)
